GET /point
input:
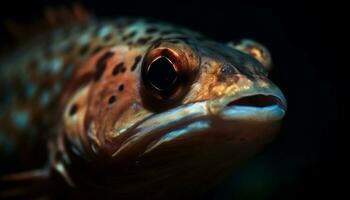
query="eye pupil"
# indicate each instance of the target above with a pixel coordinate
(162, 74)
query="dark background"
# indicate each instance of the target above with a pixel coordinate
(296, 35)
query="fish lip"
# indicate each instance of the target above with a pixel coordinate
(272, 106)
(205, 109)
(257, 100)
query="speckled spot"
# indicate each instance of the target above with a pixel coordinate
(118, 69)
(30, 90)
(73, 109)
(129, 35)
(84, 39)
(84, 49)
(104, 31)
(143, 40)
(45, 98)
(112, 99)
(20, 118)
(151, 30)
(121, 87)
(101, 64)
(55, 65)
(97, 49)
(65, 46)
(108, 37)
(137, 60)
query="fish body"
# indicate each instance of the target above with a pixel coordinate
(118, 108)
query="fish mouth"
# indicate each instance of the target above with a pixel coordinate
(256, 107)
(255, 101)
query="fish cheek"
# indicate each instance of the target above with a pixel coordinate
(109, 100)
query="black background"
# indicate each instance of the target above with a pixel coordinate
(296, 35)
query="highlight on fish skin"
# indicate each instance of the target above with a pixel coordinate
(115, 108)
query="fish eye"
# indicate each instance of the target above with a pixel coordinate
(164, 73)
(162, 76)
(165, 76)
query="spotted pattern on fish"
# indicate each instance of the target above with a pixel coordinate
(83, 89)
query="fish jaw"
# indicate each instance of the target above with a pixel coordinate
(194, 145)
(241, 122)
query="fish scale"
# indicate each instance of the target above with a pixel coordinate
(84, 95)
(43, 75)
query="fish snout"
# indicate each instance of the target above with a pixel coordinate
(263, 102)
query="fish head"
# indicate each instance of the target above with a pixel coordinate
(192, 111)
(201, 97)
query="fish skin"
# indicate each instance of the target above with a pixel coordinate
(80, 90)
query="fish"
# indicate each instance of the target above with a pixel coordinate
(131, 108)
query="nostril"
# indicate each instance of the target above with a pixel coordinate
(255, 101)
